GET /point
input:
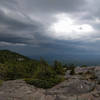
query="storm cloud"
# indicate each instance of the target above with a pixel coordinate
(50, 27)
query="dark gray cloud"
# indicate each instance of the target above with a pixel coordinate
(54, 6)
(50, 27)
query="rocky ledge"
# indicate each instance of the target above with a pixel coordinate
(81, 86)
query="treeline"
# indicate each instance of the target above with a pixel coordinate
(39, 73)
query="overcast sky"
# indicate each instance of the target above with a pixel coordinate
(50, 27)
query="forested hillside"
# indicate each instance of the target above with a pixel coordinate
(39, 73)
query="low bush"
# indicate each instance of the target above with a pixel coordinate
(44, 83)
(1, 82)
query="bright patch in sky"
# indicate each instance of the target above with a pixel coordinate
(67, 28)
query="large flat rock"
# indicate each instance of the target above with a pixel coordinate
(19, 90)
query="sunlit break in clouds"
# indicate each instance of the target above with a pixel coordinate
(68, 28)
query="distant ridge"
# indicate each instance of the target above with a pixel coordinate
(7, 55)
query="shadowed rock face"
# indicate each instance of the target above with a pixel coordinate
(74, 88)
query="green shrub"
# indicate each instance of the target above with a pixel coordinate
(1, 82)
(58, 67)
(46, 83)
(83, 66)
(72, 72)
(80, 73)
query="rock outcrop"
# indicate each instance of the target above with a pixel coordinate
(76, 87)
(19, 90)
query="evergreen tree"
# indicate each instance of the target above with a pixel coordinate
(58, 67)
